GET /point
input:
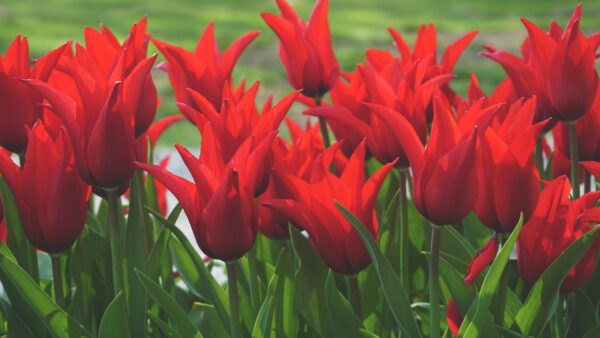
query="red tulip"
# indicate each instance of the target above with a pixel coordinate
(558, 67)
(556, 223)
(509, 183)
(312, 208)
(306, 48)
(504, 93)
(115, 62)
(297, 160)
(425, 49)
(205, 70)
(50, 195)
(233, 121)
(444, 174)
(100, 120)
(220, 202)
(349, 96)
(20, 106)
(402, 92)
(588, 140)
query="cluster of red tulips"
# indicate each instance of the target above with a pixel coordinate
(318, 238)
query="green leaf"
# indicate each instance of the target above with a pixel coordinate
(26, 295)
(477, 319)
(206, 319)
(263, 324)
(342, 320)
(15, 237)
(309, 278)
(184, 324)
(455, 248)
(164, 327)
(593, 333)
(390, 282)
(543, 297)
(81, 264)
(193, 270)
(135, 258)
(157, 255)
(16, 326)
(113, 322)
(367, 334)
(583, 317)
(463, 295)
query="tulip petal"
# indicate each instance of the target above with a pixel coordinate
(111, 146)
(483, 258)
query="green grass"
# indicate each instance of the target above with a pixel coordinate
(355, 25)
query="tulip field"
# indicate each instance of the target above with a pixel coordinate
(357, 173)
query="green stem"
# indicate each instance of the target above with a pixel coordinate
(403, 224)
(116, 247)
(323, 125)
(59, 296)
(355, 296)
(254, 296)
(146, 224)
(574, 159)
(434, 282)
(502, 291)
(234, 311)
(587, 182)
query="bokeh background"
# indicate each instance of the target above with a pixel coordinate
(355, 26)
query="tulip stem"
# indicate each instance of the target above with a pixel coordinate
(59, 297)
(234, 311)
(254, 296)
(403, 224)
(587, 182)
(323, 125)
(502, 290)
(574, 159)
(115, 240)
(355, 296)
(434, 282)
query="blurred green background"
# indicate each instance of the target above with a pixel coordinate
(355, 26)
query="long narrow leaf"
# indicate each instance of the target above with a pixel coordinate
(390, 282)
(184, 324)
(27, 293)
(543, 297)
(477, 319)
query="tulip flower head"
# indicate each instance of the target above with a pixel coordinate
(204, 70)
(444, 174)
(50, 195)
(298, 160)
(509, 182)
(311, 206)
(116, 61)
(20, 106)
(556, 223)
(306, 48)
(100, 121)
(220, 203)
(557, 66)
